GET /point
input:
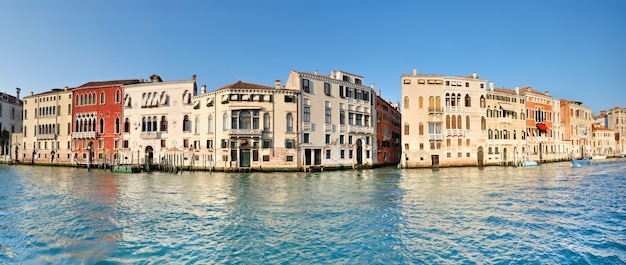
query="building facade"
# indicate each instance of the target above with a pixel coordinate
(388, 132)
(47, 127)
(577, 120)
(97, 121)
(245, 126)
(157, 122)
(506, 126)
(336, 127)
(615, 119)
(10, 121)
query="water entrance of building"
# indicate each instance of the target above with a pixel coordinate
(434, 160)
(312, 155)
(359, 152)
(481, 156)
(149, 156)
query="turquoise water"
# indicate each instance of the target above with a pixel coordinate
(550, 214)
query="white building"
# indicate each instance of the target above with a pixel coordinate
(336, 119)
(10, 120)
(157, 122)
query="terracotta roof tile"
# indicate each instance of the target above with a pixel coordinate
(245, 85)
(110, 83)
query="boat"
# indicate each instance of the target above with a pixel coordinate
(126, 169)
(531, 164)
(581, 162)
(598, 157)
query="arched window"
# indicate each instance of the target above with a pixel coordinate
(447, 121)
(196, 125)
(288, 122)
(225, 121)
(495, 134)
(186, 124)
(467, 122)
(447, 99)
(102, 98)
(101, 125)
(245, 120)
(143, 124)
(431, 103)
(489, 114)
(117, 96)
(266, 122)
(453, 100)
(149, 124)
(468, 100)
(458, 122)
(210, 122)
(406, 129)
(483, 102)
(421, 102)
(406, 102)
(438, 103)
(421, 128)
(483, 123)
(514, 135)
(458, 99)
(453, 122)
(163, 124)
(154, 124)
(117, 124)
(489, 134)
(126, 125)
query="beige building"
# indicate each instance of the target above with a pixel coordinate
(157, 123)
(10, 123)
(443, 120)
(506, 124)
(47, 127)
(336, 119)
(577, 120)
(616, 121)
(244, 126)
(603, 141)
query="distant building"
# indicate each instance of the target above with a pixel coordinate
(615, 119)
(388, 132)
(443, 120)
(10, 120)
(577, 121)
(506, 126)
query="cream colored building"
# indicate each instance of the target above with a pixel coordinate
(157, 124)
(443, 120)
(616, 121)
(47, 128)
(506, 124)
(10, 122)
(577, 120)
(244, 126)
(336, 119)
(561, 149)
(603, 141)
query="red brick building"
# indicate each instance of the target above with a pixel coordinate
(389, 149)
(97, 120)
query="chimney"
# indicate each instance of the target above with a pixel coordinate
(474, 75)
(203, 89)
(17, 92)
(277, 86)
(193, 77)
(490, 85)
(373, 86)
(315, 71)
(414, 71)
(65, 89)
(32, 93)
(379, 92)
(547, 93)
(516, 90)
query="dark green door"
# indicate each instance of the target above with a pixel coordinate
(244, 158)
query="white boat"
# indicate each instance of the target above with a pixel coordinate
(598, 157)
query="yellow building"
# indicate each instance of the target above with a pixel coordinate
(443, 120)
(506, 123)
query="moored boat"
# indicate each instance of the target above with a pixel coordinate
(581, 162)
(598, 157)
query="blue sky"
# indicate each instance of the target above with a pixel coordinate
(574, 49)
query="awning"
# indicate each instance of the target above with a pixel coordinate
(542, 127)
(507, 107)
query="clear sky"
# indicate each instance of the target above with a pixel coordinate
(576, 50)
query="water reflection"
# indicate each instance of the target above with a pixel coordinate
(546, 214)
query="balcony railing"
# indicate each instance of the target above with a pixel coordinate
(435, 137)
(455, 132)
(506, 120)
(342, 128)
(47, 136)
(328, 127)
(360, 129)
(84, 135)
(306, 126)
(454, 109)
(150, 135)
(432, 110)
(257, 132)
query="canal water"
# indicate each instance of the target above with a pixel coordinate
(550, 214)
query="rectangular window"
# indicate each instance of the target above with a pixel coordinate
(341, 139)
(289, 99)
(267, 143)
(305, 138)
(224, 143)
(350, 154)
(341, 91)
(421, 146)
(307, 114)
(327, 139)
(349, 139)
(327, 153)
(255, 155)
(342, 154)
(186, 143)
(289, 159)
(327, 116)
(163, 143)
(290, 143)
(305, 85)
(327, 89)
(125, 144)
(266, 158)
(348, 92)
(342, 117)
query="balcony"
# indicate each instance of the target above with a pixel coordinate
(455, 132)
(246, 132)
(360, 129)
(506, 120)
(435, 110)
(150, 135)
(455, 109)
(342, 128)
(47, 136)
(306, 126)
(435, 137)
(328, 128)
(84, 135)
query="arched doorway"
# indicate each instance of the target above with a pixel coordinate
(359, 152)
(149, 155)
(480, 156)
(504, 157)
(244, 154)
